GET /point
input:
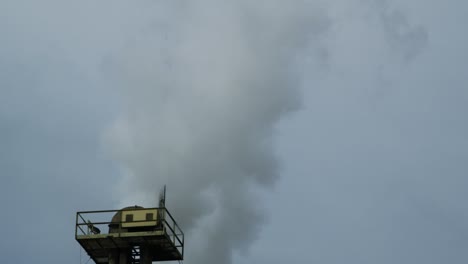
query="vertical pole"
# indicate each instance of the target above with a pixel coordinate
(164, 195)
(76, 226)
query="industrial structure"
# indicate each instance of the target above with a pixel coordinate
(136, 235)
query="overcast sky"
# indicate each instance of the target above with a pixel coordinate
(372, 166)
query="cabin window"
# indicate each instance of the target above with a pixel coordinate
(129, 218)
(149, 216)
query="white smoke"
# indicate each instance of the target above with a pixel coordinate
(202, 97)
(203, 84)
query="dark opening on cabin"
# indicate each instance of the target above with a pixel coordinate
(129, 218)
(149, 216)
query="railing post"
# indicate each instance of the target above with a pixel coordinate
(76, 226)
(174, 230)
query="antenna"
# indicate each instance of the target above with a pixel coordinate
(162, 197)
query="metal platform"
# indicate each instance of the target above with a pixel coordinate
(164, 239)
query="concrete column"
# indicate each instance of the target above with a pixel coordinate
(145, 255)
(119, 257)
(123, 259)
(114, 257)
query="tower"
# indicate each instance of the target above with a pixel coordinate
(135, 235)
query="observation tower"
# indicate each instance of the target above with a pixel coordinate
(131, 235)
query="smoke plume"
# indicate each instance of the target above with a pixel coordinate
(202, 96)
(203, 84)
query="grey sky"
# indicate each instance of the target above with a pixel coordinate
(373, 166)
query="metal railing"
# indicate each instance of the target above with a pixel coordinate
(96, 223)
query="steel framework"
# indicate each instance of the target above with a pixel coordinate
(165, 240)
